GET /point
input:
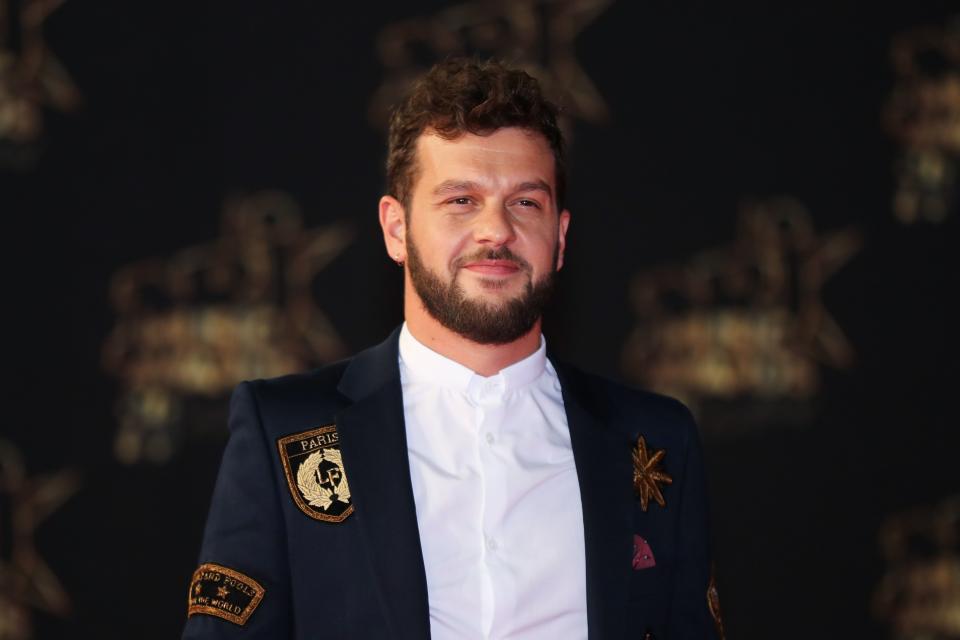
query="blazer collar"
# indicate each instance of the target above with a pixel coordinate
(370, 370)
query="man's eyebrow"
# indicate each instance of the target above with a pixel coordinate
(455, 186)
(459, 186)
(535, 185)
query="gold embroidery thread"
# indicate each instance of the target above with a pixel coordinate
(222, 592)
(647, 475)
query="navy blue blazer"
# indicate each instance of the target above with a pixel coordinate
(270, 570)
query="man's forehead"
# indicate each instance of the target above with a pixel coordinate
(494, 140)
(510, 149)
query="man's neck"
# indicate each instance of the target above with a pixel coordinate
(484, 359)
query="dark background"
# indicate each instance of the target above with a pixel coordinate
(186, 104)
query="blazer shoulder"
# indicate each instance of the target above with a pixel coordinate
(622, 404)
(322, 379)
(287, 401)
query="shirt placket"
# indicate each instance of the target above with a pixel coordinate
(488, 398)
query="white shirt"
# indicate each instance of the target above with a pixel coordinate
(497, 497)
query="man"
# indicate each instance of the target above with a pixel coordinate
(453, 482)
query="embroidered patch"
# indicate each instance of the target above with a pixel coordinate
(647, 475)
(315, 475)
(218, 591)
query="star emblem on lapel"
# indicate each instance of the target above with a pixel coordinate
(647, 475)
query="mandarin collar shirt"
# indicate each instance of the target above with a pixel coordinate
(497, 498)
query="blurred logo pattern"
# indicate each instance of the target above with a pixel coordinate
(26, 582)
(744, 321)
(923, 115)
(535, 35)
(919, 594)
(196, 324)
(31, 78)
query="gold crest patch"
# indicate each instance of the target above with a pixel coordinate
(315, 474)
(218, 591)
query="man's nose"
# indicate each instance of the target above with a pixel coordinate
(494, 225)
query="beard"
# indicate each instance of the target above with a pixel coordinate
(474, 319)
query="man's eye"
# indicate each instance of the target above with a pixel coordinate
(461, 201)
(528, 203)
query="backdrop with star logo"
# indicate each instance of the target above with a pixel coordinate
(765, 206)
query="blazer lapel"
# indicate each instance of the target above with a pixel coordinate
(604, 469)
(374, 445)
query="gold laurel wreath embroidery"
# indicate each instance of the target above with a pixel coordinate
(343, 489)
(314, 494)
(308, 485)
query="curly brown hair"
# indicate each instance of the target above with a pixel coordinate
(465, 95)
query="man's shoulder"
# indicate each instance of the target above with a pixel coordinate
(369, 367)
(326, 390)
(293, 399)
(618, 403)
(320, 379)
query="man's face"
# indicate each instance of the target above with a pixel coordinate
(483, 236)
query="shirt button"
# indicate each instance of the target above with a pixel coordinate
(489, 438)
(492, 544)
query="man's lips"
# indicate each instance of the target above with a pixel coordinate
(493, 267)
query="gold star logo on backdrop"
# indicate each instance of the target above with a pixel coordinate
(919, 593)
(31, 77)
(194, 325)
(647, 475)
(222, 592)
(745, 320)
(923, 115)
(26, 582)
(536, 35)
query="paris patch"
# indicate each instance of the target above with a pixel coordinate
(314, 469)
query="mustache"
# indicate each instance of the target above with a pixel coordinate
(503, 253)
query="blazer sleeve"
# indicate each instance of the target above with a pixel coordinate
(245, 534)
(690, 612)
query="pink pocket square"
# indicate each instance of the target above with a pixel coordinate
(642, 554)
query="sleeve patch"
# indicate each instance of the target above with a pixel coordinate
(218, 591)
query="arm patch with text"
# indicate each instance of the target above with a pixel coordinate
(218, 591)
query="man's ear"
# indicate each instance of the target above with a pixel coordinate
(564, 222)
(393, 221)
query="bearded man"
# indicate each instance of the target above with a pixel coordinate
(472, 487)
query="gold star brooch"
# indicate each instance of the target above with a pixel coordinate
(647, 475)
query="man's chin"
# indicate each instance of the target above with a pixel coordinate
(492, 301)
(493, 288)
